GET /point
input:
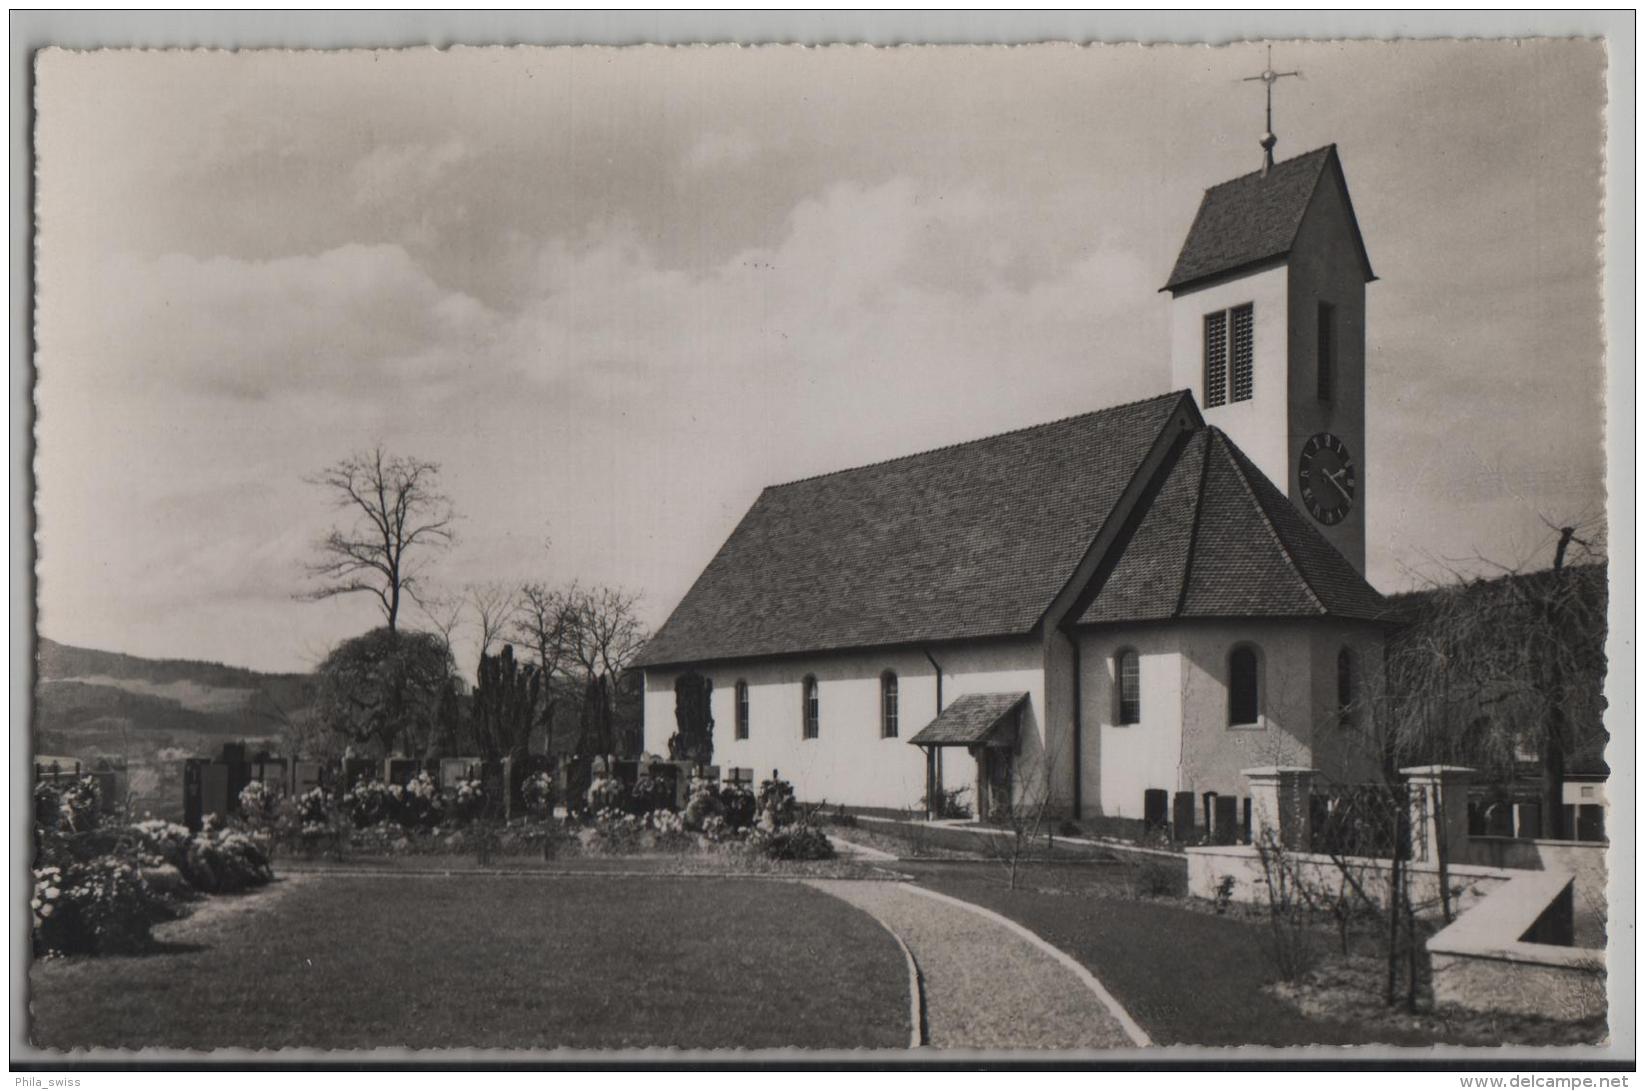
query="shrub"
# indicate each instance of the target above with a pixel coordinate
(368, 803)
(468, 800)
(739, 806)
(792, 843)
(776, 804)
(48, 802)
(419, 805)
(704, 803)
(161, 842)
(260, 805)
(607, 793)
(950, 803)
(78, 805)
(1224, 894)
(98, 906)
(538, 792)
(224, 861)
(651, 794)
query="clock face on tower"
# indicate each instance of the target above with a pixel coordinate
(1325, 477)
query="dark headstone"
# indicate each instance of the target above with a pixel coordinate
(1182, 816)
(400, 770)
(1245, 821)
(1528, 820)
(215, 797)
(355, 770)
(193, 792)
(1156, 808)
(1476, 819)
(1225, 824)
(1590, 822)
(1499, 819)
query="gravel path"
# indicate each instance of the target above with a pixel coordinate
(988, 986)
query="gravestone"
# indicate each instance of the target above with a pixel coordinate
(1182, 816)
(1245, 821)
(1590, 822)
(307, 776)
(355, 770)
(193, 793)
(1499, 820)
(451, 770)
(1156, 808)
(214, 790)
(1528, 820)
(400, 770)
(1208, 806)
(1225, 820)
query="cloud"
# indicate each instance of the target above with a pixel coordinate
(715, 151)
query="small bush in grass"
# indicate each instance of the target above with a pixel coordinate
(792, 843)
(222, 861)
(48, 802)
(951, 803)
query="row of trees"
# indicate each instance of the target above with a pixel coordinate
(398, 689)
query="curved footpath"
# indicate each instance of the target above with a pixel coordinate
(989, 983)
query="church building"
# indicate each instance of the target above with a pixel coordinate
(1154, 595)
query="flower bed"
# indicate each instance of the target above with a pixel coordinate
(100, 889)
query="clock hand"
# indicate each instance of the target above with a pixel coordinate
(1332, 478)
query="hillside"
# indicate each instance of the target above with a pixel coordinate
(154, 712)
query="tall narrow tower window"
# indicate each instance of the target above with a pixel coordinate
(1327, 351)
(1240, 352)
(1216, 359)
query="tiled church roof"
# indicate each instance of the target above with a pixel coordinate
(965, 541)
(1255, 218)
(1220, 540)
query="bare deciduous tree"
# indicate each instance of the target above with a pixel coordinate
(545, 622)
(606, 635)
(399, 514)
(495, 605)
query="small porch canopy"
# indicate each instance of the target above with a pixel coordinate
(985, 724)
(975, 719)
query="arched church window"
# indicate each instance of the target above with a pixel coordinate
(888, 705)
(1128, 686)
(811, 709)
(1244, 687)
(742, 709)
(1345, 685)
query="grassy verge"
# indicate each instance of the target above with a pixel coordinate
(1191, 976)
(340, 962)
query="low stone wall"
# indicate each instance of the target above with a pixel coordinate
(1209, 865)
(1583, 859)
(1486, 959)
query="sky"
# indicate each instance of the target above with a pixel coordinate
(615, 292)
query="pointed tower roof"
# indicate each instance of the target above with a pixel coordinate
(1254, 219)
(1219, 540)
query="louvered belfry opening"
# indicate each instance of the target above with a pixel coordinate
(1240, 352)
(1216, 359)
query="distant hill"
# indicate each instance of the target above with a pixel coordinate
(155, 712)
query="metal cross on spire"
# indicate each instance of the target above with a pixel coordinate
(1269, 77)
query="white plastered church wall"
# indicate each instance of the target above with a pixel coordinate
(849, 761)
(1122, 760)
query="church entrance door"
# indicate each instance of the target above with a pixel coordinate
(993, 780)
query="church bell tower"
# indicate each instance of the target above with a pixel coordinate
(1268, 331)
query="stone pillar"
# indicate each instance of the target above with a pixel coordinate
(1279, 803)
(1439, 812)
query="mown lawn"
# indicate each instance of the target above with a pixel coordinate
(518, 962)
(1189, 976)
